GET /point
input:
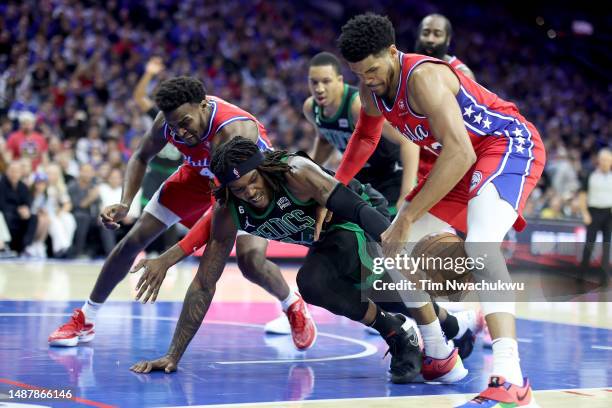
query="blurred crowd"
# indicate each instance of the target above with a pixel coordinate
(69, 122)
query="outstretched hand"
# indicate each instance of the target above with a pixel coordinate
(155, 270)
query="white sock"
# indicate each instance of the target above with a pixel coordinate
(435, 342)
(289, 300)
(90, 309)
(506, 361)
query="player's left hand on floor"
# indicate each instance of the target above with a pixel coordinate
(165, 363)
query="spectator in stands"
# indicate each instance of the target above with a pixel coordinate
(554, 210)
(38, 248)
(15, 203)
(26, 142)
(85, 198)
(89, 147)
(69, 166)
(27, 171)
(564, 175)
(110, 193)
(62, 224)
(5, 240)
(24, 103)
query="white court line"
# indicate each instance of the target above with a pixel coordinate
(420, 398)
(602, 347)
(369, 349)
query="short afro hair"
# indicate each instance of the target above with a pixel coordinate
(324, 59)
(365, 35)
(174, 92)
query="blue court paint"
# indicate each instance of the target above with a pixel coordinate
(233, 362)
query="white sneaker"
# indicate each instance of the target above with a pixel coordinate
(280, 325)
(406, 326)
(473, 320)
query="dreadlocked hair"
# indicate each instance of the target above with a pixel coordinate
(239, 149)
(174, 92)
(365, 35)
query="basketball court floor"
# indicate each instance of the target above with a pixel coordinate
(566, 350)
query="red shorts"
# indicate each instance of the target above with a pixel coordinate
(184, 197)
(512, 165)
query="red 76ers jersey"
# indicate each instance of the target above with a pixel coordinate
(486, 116)
(509, 152)
(223, 113)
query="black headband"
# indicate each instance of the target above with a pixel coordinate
(235, 172)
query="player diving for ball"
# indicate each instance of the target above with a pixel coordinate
(276, 195)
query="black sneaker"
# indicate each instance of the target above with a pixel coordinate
(406, 355)
(465, 344)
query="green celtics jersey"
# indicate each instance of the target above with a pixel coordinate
(287, 219)
(337, 130)
(383, 169)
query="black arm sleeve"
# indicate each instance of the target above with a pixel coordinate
(348, 205)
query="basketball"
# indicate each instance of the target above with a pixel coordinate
(442, 258)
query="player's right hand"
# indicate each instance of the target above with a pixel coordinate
(112, 214)
(154, 274)
(164, 363)
(586, 217)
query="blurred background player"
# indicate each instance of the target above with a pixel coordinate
(333, 108)
(433, 39)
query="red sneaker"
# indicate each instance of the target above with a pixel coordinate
(444, 370)
(501, 393)
(73, 332)
(303, 328)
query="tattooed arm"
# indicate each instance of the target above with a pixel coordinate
(200, 293)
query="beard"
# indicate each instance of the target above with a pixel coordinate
(436, 51)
